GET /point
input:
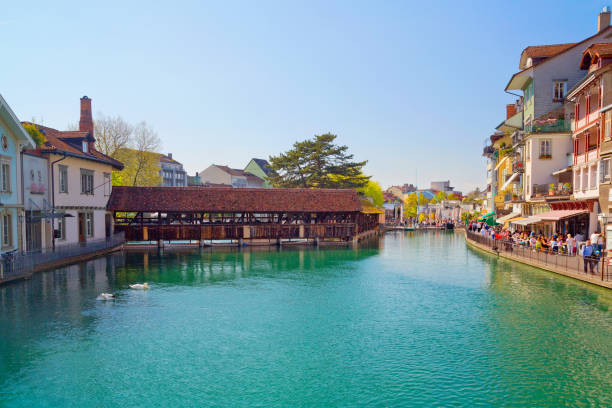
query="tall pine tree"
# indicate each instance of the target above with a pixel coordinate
(317, 163)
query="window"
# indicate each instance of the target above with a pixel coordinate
(61, 228)
(63, 179)
(85, 146)
(604, 171)
(593, 177)
(545, 149)
(559, 88)
(107, 184)
(608, 125)
(89, 227)
(6, 230)
(87, 181)
(6, 177)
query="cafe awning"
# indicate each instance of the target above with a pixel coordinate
(508, 217)
(526, 221)
(557, 215)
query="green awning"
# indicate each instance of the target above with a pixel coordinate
(489, 215)
(490, 221)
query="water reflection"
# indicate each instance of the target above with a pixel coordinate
(414, 318)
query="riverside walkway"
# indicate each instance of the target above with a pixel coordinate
(571, 266)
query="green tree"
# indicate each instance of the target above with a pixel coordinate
(373, 191)
(141, 162)
(317, 163)
(440, 196)
(410, 204)
(35, 134)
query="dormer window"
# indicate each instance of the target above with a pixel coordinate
(85, 147)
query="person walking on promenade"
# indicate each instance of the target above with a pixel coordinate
(588, 256)
(600, 242)
(571, 245)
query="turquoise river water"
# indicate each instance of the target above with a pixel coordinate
(416, 319)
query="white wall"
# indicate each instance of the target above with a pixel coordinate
(74, 202)
(215, 175)
(540, 170)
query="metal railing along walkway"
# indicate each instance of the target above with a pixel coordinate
(590, 266)
(15, 264)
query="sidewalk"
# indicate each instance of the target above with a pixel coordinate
(570, 266)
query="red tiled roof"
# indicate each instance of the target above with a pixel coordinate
(233, 172)
(227, 199)
(540, 51)
(57, 143)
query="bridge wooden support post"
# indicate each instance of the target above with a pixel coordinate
(201, 243)
(279, 242)
(160, 243)
(317, 242)
(240, 242)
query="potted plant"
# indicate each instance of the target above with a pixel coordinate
(551, 190)
(566, 188)
(514, 196)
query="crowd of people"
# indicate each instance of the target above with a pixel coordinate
(590, 248)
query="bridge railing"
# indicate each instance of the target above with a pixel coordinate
(235, 231)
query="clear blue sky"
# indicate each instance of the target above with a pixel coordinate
(406, 85)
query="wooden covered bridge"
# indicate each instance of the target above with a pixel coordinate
(166, 214)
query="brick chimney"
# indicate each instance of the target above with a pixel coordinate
(510, 110)
(603, 20)
(86, 121)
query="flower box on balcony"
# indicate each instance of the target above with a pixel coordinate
(545, 156)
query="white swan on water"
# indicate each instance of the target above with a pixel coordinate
(140, 286)
(105, 296)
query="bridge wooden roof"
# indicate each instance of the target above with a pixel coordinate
(227, 199)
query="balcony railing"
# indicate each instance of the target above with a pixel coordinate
(559, 125)
(510, 197)
(591, 155)
(552, 190)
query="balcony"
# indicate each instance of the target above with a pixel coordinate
(513, 197)
(592, 155)
(552, 190)
(518, 166)
(488, 150)
(550, 126)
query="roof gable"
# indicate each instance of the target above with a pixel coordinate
(263, 165)
(9, 117)
(68, 143)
